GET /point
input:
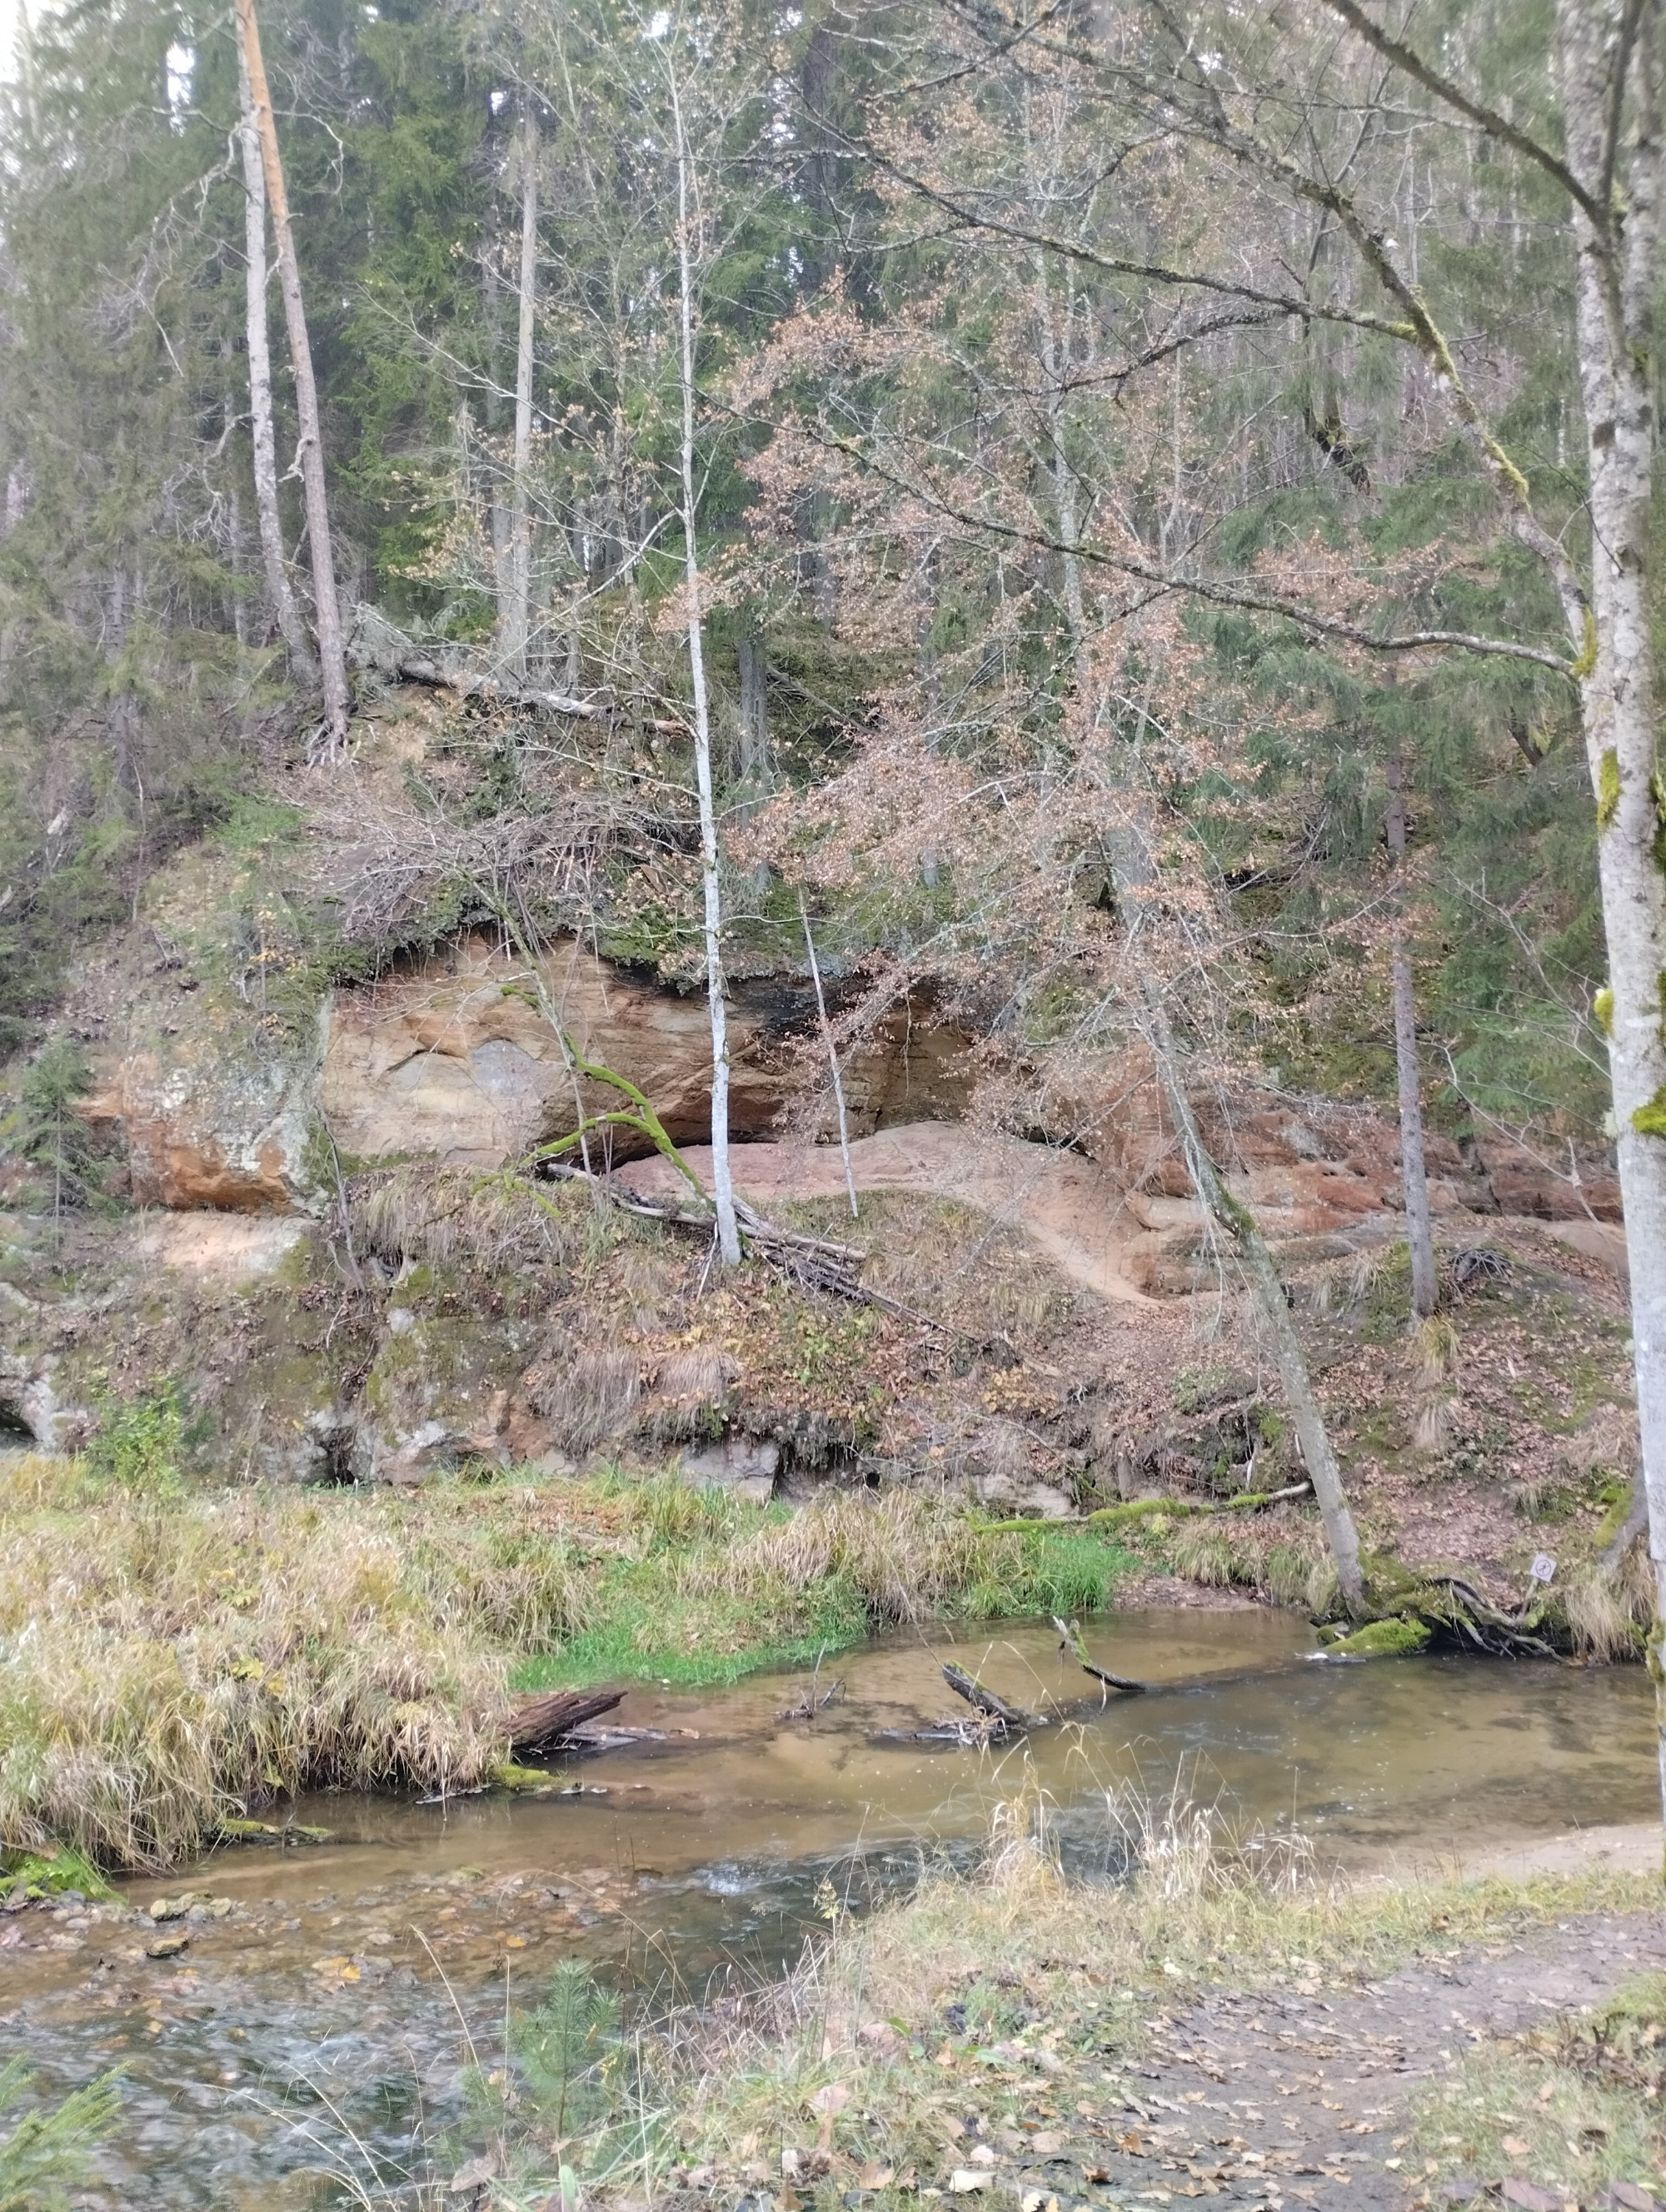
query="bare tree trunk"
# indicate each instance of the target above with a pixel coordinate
(1413, 1172)
(490, 293)
(332, 662)
(1241, 1227)
(728, 1233)
(280, 594)
(517, 624)
(832, 1055)
(1617, 281)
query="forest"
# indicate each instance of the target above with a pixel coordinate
(720, 578)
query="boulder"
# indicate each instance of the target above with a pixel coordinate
(1544, 1185)
(201, 1127)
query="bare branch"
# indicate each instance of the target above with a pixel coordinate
(1495, 125)
(1215, 593)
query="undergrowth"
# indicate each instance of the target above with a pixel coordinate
(44, 2149)
(1574, 2104)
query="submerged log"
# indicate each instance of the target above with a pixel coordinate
(537, 1723)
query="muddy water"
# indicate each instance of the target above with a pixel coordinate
(315, 2004)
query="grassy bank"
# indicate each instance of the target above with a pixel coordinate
(170, 1657)
(1006, 2036)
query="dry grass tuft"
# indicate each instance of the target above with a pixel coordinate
(1435, 1348)
(1432, 1429)
(902, 1556)
(1609, 1614)
(1202, 1554)
(1284, 1558)
(166, 1665)
(449, 1218)
(1608, 1440)
(687, 1394)
(585, 1395)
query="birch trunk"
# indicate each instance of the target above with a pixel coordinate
(1414, 1171)
(280, 594)
(517, 623)
(332, 661)
(1617, 278)
(728, 1233)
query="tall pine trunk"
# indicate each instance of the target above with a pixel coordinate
(280, 594)
(326, 609)
(1414, 1170)
(728, 1233)
(754, 717)
(1619, 268)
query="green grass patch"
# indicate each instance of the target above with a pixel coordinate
(725, 1588)
(36, 1874)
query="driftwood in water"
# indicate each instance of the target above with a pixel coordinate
(812, 1702)
(1003, 1719)
(1071, 1640)
(537, 1723)
(964, 1736)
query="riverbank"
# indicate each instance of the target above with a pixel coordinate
(1224, 2029)
(173, 1657)
(1223, 2025)
(244, 1996)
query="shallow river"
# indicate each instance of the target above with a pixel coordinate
(313, 2017)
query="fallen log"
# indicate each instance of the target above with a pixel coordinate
(1141, 1508)
(1004, 1719)
(537, 1723)
(419, 667)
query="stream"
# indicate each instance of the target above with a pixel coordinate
(312, 2016)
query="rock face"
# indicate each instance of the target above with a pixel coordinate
(201, 1130)
(454, 1058)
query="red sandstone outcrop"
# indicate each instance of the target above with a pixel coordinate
(454, 1057)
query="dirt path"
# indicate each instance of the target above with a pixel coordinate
(1074, 1211)
(1298, 2095)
